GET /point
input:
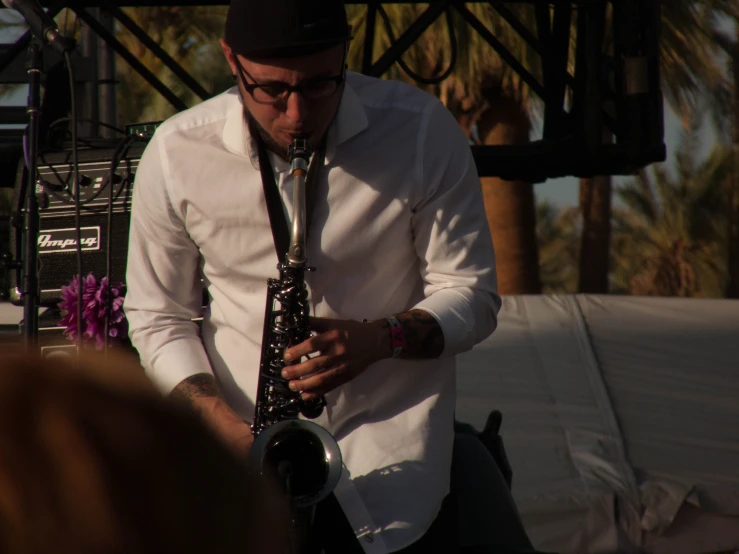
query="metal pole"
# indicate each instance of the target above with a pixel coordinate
(89, 93)
(31, 296)
(108, 101)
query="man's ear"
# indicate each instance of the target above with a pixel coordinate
(229, 56)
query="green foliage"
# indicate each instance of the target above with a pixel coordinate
(557, 233)
(190, 35)
(694, 73)
(431, 54)
(670, 230)
(670, 238)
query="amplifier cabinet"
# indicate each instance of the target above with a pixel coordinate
(57, 243)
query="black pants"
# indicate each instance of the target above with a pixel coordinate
(337, 536)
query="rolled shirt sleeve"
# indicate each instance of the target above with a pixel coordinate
(452, 236)
(164, 291)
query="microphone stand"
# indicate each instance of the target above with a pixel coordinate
(45, 32)
(30, 292)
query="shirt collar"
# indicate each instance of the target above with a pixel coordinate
(350, 120)
(236, 137)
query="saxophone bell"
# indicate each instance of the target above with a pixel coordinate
(301, 457)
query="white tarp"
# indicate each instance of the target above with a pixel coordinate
(620, 419)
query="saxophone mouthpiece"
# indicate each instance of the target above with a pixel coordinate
(299, 153)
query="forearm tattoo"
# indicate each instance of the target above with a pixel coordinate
(423, 335)
(202, 385)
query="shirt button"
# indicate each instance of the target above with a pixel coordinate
(369, 538)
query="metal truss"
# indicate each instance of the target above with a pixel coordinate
(614, 124)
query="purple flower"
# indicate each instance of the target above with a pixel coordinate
(95, 296)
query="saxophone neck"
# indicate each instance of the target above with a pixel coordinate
(299, 154)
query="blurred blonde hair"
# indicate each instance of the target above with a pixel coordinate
(93, 460)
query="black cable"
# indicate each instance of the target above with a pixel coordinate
(118, 155)
(49, 189)
(77, 205)
(103, 185)
(83, 120)
(75, 140)
(116, 159)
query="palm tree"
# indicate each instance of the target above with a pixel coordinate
(510, 205)
(492, 105)
(499, 109)
(691, 72)
(190, 36)
(669, 238)
(557, 232)
(730, 126)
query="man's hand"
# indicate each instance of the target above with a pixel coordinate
(200, 394)
(344, 348)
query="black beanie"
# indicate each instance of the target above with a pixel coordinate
(285, 28)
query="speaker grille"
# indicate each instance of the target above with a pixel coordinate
(57, 237)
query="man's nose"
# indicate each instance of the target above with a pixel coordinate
(295, 108)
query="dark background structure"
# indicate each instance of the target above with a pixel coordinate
(597, 82)
(618, 91)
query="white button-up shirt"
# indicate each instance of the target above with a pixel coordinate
(398, 223)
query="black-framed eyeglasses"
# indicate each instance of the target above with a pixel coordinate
(278, 92)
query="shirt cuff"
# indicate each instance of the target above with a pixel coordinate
(176, 361)
(455, 316)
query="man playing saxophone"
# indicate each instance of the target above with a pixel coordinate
(404, 265)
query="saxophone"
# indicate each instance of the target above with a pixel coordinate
(302, 457)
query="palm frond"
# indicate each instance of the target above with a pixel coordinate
(688, 55)
(677, 248)
(634, 197)
(557, 233)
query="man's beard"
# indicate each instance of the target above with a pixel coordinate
(268, 140)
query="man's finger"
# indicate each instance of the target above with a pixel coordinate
(320, 383)
(309, 346)
(314, 384)
(309, 367)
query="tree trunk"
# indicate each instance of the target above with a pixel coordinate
(510, 205)
(595, 242)
(732, 288)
